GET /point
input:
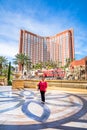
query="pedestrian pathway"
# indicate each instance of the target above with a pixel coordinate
(23, 110)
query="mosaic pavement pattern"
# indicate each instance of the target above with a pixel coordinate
(23, 110)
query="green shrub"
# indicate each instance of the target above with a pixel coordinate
(9, 82)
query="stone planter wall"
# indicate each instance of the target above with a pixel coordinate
(18, 84)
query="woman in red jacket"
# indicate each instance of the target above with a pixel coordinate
(42, 85)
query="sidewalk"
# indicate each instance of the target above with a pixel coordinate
(65, 109)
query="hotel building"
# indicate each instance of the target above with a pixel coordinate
(55, 48)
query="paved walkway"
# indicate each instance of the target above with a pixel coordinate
(23, 110)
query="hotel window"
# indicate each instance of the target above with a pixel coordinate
(35, 39)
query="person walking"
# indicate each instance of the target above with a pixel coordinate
(42, 86)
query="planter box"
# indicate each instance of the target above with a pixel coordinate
(18, 84)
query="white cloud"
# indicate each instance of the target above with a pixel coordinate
(8, 50)
(11, 23)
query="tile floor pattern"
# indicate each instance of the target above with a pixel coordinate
(23, 110)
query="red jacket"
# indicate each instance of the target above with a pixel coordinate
(42, 86)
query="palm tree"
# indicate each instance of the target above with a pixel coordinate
(21, 59)
(68, 60)
(3, 62)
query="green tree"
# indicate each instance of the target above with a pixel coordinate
(68, 60)
(38, 66)
(3, 63)
(50, 64)
(9, 74)
(22, 60)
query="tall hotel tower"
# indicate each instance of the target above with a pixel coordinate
(55, 48)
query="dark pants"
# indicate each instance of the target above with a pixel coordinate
(42, 96)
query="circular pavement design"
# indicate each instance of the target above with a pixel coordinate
(25, 108)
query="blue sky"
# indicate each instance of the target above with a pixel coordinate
(45, 18)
